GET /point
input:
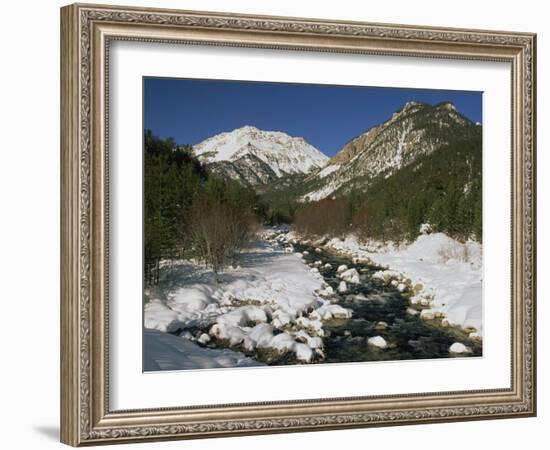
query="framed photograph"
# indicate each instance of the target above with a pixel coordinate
(277, 224)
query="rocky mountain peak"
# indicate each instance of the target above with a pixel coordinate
(409, 108)
(246, 129)
(416, 129)
(412, 105)
(447, 106)
(256, 156)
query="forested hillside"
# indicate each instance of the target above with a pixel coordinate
(443, 189)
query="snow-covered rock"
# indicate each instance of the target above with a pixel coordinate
(204, 338)
(313, 326)
(427, 314)
(233, 334)
(333, 311)
(459, 348)
(351, 276)
(282, 342)
(342, 268)
(377, 341)
(303, 352)
(281, 318)
(312, 341)
(259, 336)
(327, 291)
(242, 315)
(342, 287)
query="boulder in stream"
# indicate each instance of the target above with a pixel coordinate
(342, 287)
(378, 342)
(459, 348)
(342, 268)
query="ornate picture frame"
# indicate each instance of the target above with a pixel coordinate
(87, 31)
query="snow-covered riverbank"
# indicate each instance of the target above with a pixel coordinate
(272, 302)
(278, 304)
(164, 351)
(446, 275)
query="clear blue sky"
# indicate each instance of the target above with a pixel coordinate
(325, 116)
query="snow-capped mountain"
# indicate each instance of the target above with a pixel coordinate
(417, 129)
(257, 157)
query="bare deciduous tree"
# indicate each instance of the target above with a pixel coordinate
(219, 230)
(325, 217)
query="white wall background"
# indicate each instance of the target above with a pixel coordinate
(29, 222)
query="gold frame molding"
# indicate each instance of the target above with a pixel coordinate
(86, 31)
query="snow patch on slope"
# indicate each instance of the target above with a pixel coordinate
(328, 170)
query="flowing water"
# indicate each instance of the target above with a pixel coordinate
(372, 302)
